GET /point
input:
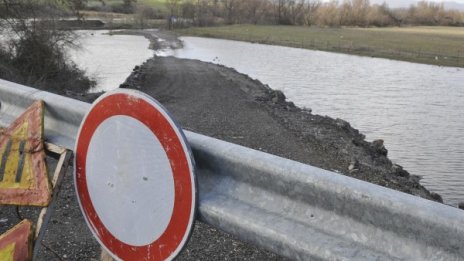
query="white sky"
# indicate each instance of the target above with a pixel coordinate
(406, 3)
(457, 1)
(409, 1)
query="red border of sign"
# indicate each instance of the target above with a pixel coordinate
(136, 105)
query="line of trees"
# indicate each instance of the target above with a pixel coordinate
(312, 12)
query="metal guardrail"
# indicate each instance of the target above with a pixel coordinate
(290, 208)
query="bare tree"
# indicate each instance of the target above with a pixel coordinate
(36, 44)
(295, 12)
(316, 12)
(360, 11)
(427, 13)
(378, 16)
(204, 12)
(173, 7)
(310, 8)
(328, 14)
(280, 11)
(397, 17)
(231, 10)
(255, 10)
(129, 3)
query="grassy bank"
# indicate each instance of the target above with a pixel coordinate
(429, 45)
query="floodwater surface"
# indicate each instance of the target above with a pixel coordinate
(418, 110)
(109, 58)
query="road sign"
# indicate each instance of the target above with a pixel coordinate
(23, 169)
(134, 177)
(15, 244)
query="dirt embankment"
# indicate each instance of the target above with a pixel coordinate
(222, 103)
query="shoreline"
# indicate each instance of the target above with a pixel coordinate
(347, 40)
(415, 44)
(346, 157)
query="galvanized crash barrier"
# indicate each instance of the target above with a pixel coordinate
(290, 208)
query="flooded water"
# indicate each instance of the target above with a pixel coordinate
(110, 58)
(417, 109)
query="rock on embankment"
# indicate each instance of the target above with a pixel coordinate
(220, 102)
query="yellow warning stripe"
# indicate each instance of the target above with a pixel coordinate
(7, 253)
(15, 167)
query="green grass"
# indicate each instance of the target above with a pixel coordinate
(430, 45)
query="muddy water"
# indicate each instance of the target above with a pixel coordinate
(110, 58)
(417, 109)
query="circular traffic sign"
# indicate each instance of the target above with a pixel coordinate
(134, 177)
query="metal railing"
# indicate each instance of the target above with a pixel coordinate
(290, 208)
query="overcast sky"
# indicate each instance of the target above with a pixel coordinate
(407, 3)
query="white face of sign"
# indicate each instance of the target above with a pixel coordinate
(121, 189)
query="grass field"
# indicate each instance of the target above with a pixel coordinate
(430, 45)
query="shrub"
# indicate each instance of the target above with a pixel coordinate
(34, 53)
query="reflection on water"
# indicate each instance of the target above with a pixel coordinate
(110, 59)
(417, 109)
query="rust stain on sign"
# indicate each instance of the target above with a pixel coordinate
(15, 244)
(23, 169)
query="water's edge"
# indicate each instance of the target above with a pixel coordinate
(154, 37)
